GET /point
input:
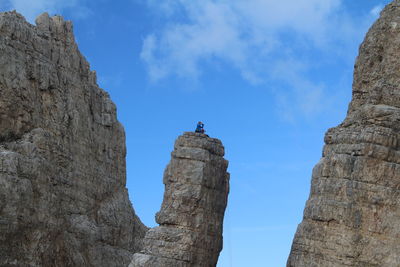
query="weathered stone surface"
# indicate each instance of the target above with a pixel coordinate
(191, 216)
(63, 200)
(352, 217)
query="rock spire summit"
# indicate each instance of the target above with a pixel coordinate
(192, 212)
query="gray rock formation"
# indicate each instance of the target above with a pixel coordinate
(352, 217)
(63, 200)
(191, 216)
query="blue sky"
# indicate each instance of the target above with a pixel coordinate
(266, 77)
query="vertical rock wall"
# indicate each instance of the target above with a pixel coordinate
(352, 217)
(63, 200)
(191, 216)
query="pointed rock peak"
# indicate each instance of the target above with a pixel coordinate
(376, 75)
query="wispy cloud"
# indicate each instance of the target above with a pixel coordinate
(31, 9)
(247, 34)
(376, 10)
(263, 40)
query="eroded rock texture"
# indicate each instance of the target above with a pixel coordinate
(63, 200)
(191, 216)
(352, 217)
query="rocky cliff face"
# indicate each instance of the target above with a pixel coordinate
(63, 200)
(196, 190)
(352, 217)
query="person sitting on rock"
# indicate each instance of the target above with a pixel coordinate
(200, 127)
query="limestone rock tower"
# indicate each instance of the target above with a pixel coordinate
(352, 216)
(191, 216)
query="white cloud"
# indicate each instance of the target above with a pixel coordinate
(376, 10)
(242, 33)
(302, 96)
(32, 8)
(262, 39)
(179, 49)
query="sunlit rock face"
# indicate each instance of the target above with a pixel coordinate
(192, 212)
(63, 200)
(352, 217)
